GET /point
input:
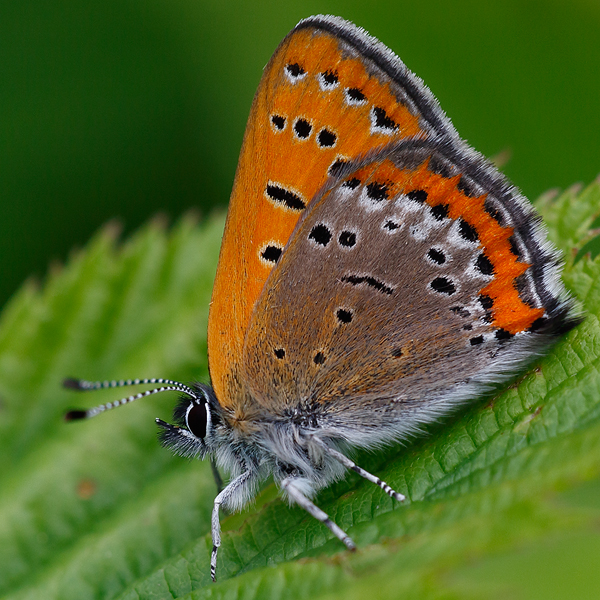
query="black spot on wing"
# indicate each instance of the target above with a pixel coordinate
(282, 196)
(502, 334)
(319, 358)
(377, 191)
(295, 70)
(443, 285)
(440, 211)
(336, 167)
(485, 301)
(467, 187)
(271, 253)
(326, 138)
(329, 79)
(437, 256)
(355, 96)
(302, 128)
(320, 234)
(467, 231)
(484, 265)
(347, 239)
(343, 315)
(370, 281)
(278, 122)
(491, 210)
(351, 184)
(514, 247)
(417, 196)
(382, 121)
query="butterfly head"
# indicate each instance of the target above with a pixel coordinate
(196, 421)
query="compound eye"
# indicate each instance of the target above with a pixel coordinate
(196, 419)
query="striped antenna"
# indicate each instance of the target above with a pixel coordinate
(82, 385)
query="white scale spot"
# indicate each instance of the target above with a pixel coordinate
(408, 205)
(381, 123)
(473, 272)
(456, 239)
(354, 97)
(294, 72)
(328, 81)
(370, 204)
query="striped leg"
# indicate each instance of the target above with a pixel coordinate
(352, 465)
(289, 484)
(223, 498)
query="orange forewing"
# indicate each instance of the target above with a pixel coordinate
(270, 155)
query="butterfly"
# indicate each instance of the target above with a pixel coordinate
(375, 273)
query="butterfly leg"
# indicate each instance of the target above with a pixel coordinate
(290, 485)
(234, 488)
(352, 465)
(216, 475)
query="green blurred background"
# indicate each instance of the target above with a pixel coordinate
(122, 109)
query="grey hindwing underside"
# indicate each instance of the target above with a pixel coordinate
(372, 316)
(376, 305)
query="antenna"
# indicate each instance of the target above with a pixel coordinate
(81, 385)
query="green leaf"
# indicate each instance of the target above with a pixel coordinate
(503, 498)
